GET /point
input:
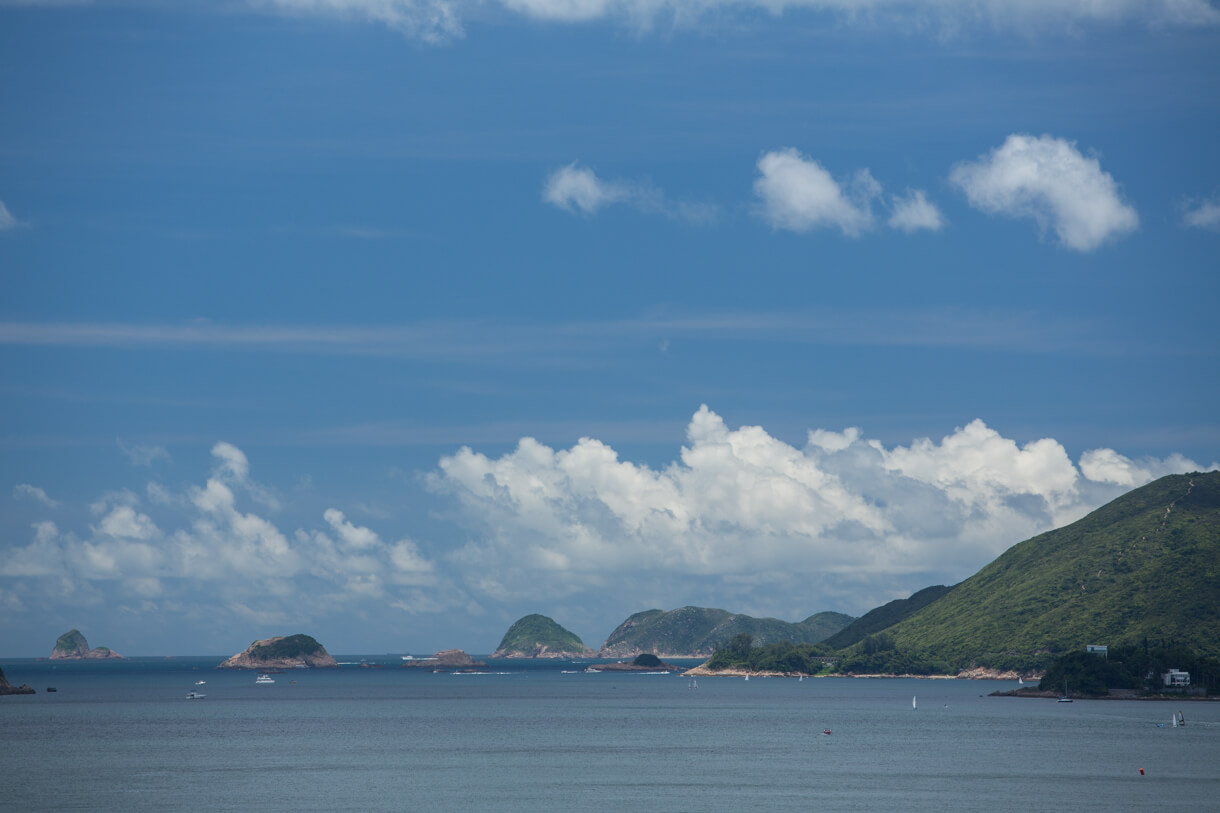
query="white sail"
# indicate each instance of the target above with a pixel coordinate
(913, 702)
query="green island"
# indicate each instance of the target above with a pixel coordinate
(536, 636)
(281, 652)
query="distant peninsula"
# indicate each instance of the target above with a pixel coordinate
(72, 646)
(536, 636)
(291, 652)
(696, 632)
(445, 660)
(8, 688)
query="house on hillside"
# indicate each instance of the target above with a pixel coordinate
(1098, 649)
(1175, 679)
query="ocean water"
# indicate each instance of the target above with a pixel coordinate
(529, 737)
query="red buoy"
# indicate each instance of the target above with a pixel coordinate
(1141, 771)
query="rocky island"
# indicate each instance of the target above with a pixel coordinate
(291, 652)
(644, 662)
(536, 636)
(445, 660)
(8, 688)
(72, 646)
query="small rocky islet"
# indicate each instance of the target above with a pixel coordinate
(284, 652)
(72, 646)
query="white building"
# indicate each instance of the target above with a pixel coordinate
(1175, 679)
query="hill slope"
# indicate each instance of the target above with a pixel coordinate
(697, 631)
(887, 615)
(1147, 565)
(536, 636)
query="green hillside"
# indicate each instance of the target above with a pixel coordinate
(697, 631)
(887, 615)
(538, 636)
(293, 646)
(1144, 567)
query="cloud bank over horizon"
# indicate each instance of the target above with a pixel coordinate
(740, 520)
(441, 21)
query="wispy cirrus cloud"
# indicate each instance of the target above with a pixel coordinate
(477, 342)
(25, 491)
(1050, 181)
(578, 189)
(440, 21)
(8, 222)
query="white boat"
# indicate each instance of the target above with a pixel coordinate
(195, 696)
(200, 682)
(913, 705)
(1020, 681)
(264, 679)
(747, 677)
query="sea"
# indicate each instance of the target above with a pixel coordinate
(548, 735)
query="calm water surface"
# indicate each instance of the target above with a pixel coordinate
(122, 736)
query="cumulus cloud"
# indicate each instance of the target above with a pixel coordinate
(1204, 214)
(913, 211)
(211, 545)
(1049, 180)
(739, 505)
(798, 194)
(574, 188)
(25, 491)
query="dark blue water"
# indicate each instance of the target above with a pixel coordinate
(122, 736)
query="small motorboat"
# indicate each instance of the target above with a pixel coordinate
(195, 696)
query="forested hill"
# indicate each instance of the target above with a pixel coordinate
(697, 631)
(1145, 566)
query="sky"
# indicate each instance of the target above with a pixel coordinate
(391, 322)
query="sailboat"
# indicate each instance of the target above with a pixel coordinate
(1020, 681)
(1181, 719)
(1173, 720)
(913, 702)
(1063, 698)
(747, 677)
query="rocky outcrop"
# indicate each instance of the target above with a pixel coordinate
(72, 646)
(642, 663)
(291, 652)
(445, 659)
(8, 688)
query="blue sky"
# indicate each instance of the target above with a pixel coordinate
(391, 322)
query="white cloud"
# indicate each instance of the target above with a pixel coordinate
(1204, 214)
(142, 454)
(432, 21)
(754, 514)
(232, 467)
(25, 491)
(1049, 180)
(798, 194)
(913, 211)
(125, 522)
(575, 188)
(7, 221)
(439, 21)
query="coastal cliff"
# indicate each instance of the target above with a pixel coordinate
(8, 688)
(289, 652)
(72, 646)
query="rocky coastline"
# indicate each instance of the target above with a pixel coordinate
(8, 688)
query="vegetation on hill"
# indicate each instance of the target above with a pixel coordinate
(1129, 667)
(71, 643)
(740, 654)
(698, 631)
(1145, 566)
(292, 646)
(538, 636)
(887, 615)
